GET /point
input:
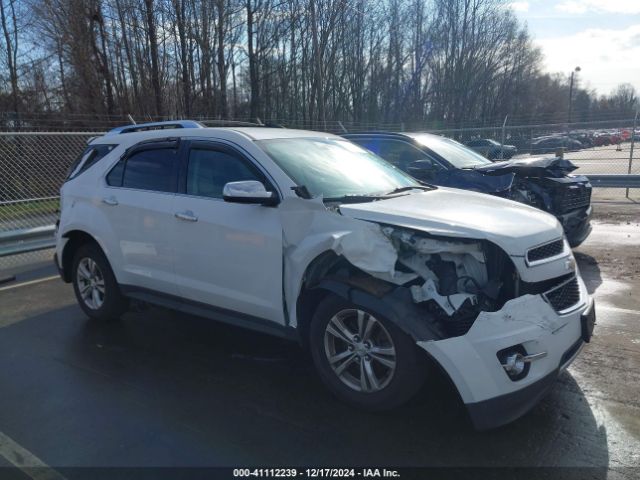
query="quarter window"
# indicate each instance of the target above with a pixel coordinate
(114, 178)
(210, 170)
(89, 157)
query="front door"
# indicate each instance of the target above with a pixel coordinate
(227, 255)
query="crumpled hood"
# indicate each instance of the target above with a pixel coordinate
(538, 167)
(467, 179)
(458, 213)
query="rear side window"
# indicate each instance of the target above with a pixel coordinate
(149, 169)
(89, 157)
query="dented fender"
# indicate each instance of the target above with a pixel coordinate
(310, 229)
(396, 306)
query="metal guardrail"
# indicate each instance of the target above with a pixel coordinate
(615, 181)
(26, 240)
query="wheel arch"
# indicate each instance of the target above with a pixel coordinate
(331, 274)
(309, 297)
(75, 239)
(391, 308)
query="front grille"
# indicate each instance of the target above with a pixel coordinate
(547, 250)
(564, 296)
(575, 197)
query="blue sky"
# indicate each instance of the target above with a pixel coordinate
(600, 36)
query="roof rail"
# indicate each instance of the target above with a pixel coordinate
(155, 126)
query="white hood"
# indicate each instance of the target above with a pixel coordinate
(458, 213)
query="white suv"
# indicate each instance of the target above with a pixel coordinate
(308, 236)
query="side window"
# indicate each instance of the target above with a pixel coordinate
(153, 169)
(400, 154)
(208, 171)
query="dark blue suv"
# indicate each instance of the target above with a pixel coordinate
(544, 183)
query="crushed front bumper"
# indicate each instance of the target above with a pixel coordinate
(472, 363)
(577, 225)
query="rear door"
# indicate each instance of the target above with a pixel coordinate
(138, 204)
(227, 255)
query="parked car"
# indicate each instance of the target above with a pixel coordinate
(308, 236)
(542, 183)
(554, 144)
(601, 139)
(606, 139)
(584, 138)
(492, 149)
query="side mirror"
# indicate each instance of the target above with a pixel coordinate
(248, 191)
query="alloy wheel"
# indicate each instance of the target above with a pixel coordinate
(90, 283)
(360, 350)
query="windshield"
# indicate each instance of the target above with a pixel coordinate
(335, 168)
(455, 153)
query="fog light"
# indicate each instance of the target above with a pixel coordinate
(514, 364)
(517, 362)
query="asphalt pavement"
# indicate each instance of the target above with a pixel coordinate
(159, 388)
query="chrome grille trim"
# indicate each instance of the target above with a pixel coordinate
(550, 249)
(565, 297)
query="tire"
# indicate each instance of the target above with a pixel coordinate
(91, 270)
(395, 385)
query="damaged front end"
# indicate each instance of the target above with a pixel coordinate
(545, 183)
(462, 300)
(456, 278)
(424, 280)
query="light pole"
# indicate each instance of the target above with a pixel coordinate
(566, 138)
(575, 70)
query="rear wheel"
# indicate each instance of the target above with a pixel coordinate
(362, 357)
(95, 285)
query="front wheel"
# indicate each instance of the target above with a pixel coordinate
(362, 357)
(95, 285)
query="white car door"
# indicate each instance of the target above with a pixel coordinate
(227, 255)
(138, 204)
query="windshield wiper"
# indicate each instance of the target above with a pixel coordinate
(355, 198)
(406, 189)
(370, 197)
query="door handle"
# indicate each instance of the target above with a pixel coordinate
(187, 216)
(110, 201)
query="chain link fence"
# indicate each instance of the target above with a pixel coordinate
(33, 165)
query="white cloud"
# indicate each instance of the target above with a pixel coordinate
(629, 7)
(607, 57)
(520, 6)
